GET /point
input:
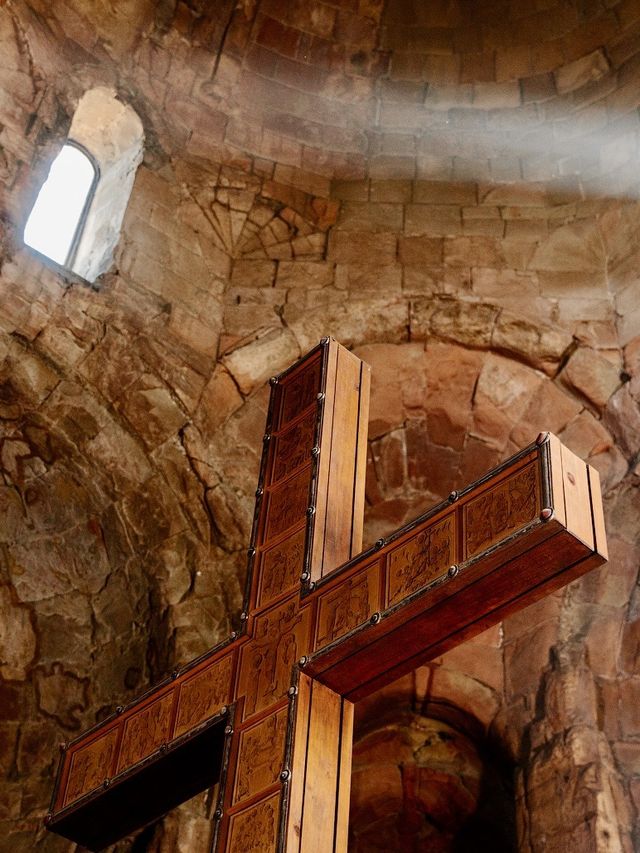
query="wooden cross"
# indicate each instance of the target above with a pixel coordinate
(268, 713)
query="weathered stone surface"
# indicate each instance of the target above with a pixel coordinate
(592, 375)
(17, 638)
(571, 248)
(541, 347)
(503, 389)
(585, 70)
(251, 364)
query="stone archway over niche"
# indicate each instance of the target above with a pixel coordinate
(420, 784)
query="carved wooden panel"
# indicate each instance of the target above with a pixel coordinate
(422, 558)
(261, 755)
(300, 391)
(348, 605)
(293, 446)
(281, 566)
(254, 829)
(145, 731)
(91, 765)
(288, 503)
(281, 636)
(501, 510)
(202, 695)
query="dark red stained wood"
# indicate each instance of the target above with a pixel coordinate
(269, 712)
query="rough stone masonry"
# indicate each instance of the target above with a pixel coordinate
(450, 189)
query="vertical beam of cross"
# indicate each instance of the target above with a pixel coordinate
(308, 521)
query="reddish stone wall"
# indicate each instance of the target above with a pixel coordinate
(489, 309)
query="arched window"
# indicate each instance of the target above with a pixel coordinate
(77, 216)
(56, 221)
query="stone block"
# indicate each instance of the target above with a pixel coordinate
(473, 252)
(463, 322)
(420, 251)
(374, 319)
(550, 409)
(307, 274)
(622, 417)
(443, 192)
(360, 278)
(503, 390)
(422, 281)
(629, 657)
(354, 247)
(351, 190)
(477, 68)
(527, 657)
(548, 609)
(464, 692)
(591, 375)
(390, 191)
(252, 364)
(585, 70)
(17, 637)
(496, 96)
(370, 217)
(253, 274)
(500, 283)
(436, 220)
(629, 708)
(571, 248)
(541, 346)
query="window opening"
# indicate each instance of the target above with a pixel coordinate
(76, 221)
(57, 219)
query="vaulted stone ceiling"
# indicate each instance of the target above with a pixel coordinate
(447, 187)
(454, 89)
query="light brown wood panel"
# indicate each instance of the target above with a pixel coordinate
(557, 480)
(577, 497)
(293, 831)
(344, 778)
(322, 772)
(599, 531)
(342, 462)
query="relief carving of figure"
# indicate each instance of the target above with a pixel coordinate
(203, 694)
(505, 508)
(293, 447)
(261, 756)
(147, 730)
(256, 829)
(90, 767)
(281, 566)
(274, 653)
(300, 393)
(347, 608)
(422, 558)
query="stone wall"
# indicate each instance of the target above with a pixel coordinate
(131, 413)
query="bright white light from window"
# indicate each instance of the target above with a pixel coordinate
(54, 220)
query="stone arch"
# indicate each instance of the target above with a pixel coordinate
(433, 774)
